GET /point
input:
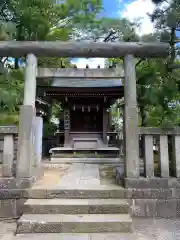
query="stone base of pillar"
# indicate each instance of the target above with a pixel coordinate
(10, 183)
(14, 183)
(26, 157)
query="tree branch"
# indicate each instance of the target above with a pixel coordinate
(141, 60)
(108, 38)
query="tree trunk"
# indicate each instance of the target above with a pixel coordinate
(172, 50)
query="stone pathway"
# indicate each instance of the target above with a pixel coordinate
(68, 175)
(81, 174)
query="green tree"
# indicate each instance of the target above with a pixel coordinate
(47, 20)
(157, 91)
(38, 20)
(166, 18)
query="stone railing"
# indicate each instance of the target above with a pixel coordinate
(8, 149)
(168, 151)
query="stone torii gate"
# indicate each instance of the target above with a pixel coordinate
(26, 156)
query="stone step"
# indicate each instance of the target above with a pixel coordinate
(86, 160)
(84, 223)
(76, 206)
(76, 236)
(79, 191)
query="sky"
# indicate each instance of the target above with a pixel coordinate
(130, 9)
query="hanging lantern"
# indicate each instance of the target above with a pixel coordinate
(89, 109)
(74, 107)
(82, 108)
(66, 99)
(97, 108)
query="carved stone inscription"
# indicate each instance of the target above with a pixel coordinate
(66, 119)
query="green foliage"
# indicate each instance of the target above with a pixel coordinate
(11, 95)
(9, 119)
(123, 29)
(11, 90)
(35, 19)
(157, 91)
(159, 117)
(49, 129)
(166, 18)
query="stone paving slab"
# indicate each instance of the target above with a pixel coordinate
(7, 227)
(89, 181)
(90, 170)
(7, 230)
(73, 175)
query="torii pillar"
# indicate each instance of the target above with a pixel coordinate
(131, 135)
(26, 157)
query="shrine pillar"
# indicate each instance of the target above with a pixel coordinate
(66, 127)
(131, 136)
(26, 157)
(105, 125)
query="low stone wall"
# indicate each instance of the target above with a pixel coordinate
(164, 203)
(156, 208)
(156, 193)
(154, 197)
(11, 208)
(13, 195)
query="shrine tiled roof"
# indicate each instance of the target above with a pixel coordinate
(87, 83)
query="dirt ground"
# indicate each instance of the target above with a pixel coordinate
(52, 174)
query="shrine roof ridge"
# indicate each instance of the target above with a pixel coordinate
(118, 71)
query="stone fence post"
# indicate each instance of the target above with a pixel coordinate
(8, 149)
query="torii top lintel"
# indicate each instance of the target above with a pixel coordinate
(84, 49)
